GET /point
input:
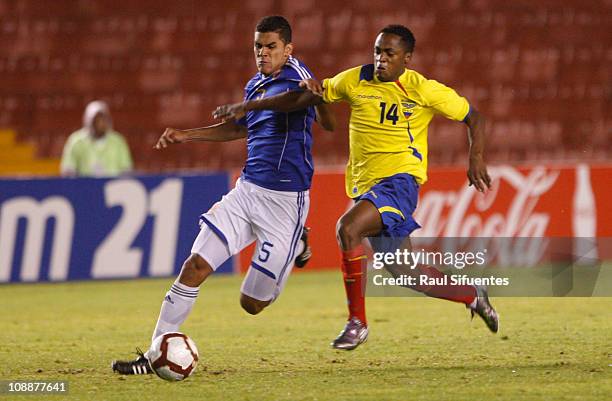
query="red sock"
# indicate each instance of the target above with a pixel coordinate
(353, 269)
(458, 293)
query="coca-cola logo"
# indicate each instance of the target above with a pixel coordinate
(467, 213)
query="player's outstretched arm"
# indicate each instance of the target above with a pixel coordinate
(325, 117)
(477, 171)
(222, 132)
(285, 102)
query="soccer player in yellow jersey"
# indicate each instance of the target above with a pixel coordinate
(391, 108)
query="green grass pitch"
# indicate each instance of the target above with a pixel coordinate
(418, 349)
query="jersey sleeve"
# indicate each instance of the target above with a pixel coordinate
(339, 88)
(444, 100)
(296, 71)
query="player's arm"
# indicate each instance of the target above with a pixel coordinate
(447, 102)
(222, 132)
(336, 89)
(312, 95)
(477, 171)
(285, 102)
(325, 117)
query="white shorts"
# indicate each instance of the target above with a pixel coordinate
(248, 213)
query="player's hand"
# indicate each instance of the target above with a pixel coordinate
(169, 136)
(312, 85)
(478, 175)
(230, 111)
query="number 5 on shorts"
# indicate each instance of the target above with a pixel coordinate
(264, 254)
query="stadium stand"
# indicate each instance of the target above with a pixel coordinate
(545, 89)
(19, 158)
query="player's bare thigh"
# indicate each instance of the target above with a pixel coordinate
(361, 220)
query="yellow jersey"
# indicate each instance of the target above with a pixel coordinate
(388, 123)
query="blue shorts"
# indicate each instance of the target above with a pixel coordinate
(395, 198)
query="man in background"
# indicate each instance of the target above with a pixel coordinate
(96, 150)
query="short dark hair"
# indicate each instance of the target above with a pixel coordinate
(275, 23)
(404, 33)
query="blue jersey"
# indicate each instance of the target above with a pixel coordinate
(279, 144)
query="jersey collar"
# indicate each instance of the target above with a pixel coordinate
(404, 74)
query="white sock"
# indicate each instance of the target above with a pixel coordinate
(175, 308)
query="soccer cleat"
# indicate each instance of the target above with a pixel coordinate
(304, 257)
(354, 333)
(484, 309)
(139, 366)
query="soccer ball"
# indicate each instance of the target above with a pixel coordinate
(173, 356)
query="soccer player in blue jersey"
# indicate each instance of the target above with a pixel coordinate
(391, 108)
(270, 201)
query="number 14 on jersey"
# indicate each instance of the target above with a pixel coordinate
(390, 115)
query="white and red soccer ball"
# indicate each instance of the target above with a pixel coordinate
(173, 356)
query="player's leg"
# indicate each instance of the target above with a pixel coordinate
(387, 204)
(209, 251)
(304, 253)
(267, 275)
(251, 305)
(473, 297)
(259, 284)
(362, 220)
(180, 298)
(465, 294)
(278, 223)
(224, 231)
(396, 200)
(262, 285)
